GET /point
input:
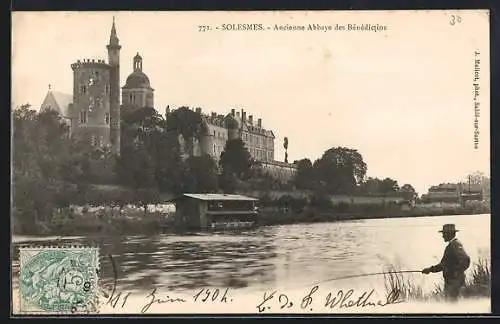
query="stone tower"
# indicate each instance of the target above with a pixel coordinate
(90, 111)
(114, 94)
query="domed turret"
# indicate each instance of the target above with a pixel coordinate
(137, 90)
(137, 79)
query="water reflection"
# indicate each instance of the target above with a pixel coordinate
(276, 256)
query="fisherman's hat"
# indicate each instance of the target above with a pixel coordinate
(448, 228)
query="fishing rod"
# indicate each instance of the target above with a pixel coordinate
(106, 295)
(367, 274)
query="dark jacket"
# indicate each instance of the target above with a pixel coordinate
(454, 262)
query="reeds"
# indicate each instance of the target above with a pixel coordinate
(477, 284)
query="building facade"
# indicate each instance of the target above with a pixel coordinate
(258, 141)
(458, 193)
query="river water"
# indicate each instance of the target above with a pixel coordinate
(289, 259)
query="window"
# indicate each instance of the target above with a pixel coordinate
(215, 148)
(214, 133)
(130, 99)
(84, 88)
(83, 117)
(106, 118)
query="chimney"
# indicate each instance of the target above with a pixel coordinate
(243, 115)
(250, 119)
(167, 110)
(259, 122)
(232, 112)
(214, 114)
(198, 111)
(238, 114)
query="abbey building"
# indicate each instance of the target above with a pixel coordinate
(93, 111)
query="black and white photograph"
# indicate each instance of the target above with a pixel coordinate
(250, 162)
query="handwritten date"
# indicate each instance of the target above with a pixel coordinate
(212, 295)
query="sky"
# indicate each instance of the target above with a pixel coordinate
(403, 96)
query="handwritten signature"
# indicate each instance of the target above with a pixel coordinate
(342, 299)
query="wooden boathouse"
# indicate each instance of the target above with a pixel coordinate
(208, 210)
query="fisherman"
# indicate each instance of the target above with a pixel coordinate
(453, 264)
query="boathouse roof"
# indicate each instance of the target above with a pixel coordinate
(212, 196)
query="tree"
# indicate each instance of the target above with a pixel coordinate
(285, 146)
(340, 170)
(408, 192)
(389, 186)
(40, 155)
(375, 186)
(202, 173)
(136, 170)
(236, 160)
(185, 122)
(144, 132)
(171, 171)
(371, 186)
(475, 178)
(304, 177)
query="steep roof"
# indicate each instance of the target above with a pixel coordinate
(57, 101)
(212, 196)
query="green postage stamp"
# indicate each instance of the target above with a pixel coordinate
(58, 280)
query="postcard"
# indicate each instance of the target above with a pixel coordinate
(258, 162)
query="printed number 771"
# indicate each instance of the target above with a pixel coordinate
(203, 28)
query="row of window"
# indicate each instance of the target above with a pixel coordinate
(261, 154)
(131, 98)
(84, 117)
(259, 140)
(220, 135)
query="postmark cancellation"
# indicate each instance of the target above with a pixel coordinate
(58, 280)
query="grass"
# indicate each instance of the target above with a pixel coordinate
(477, 284)
(103, 221)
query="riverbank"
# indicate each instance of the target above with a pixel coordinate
(108, 221)
(284, 217)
